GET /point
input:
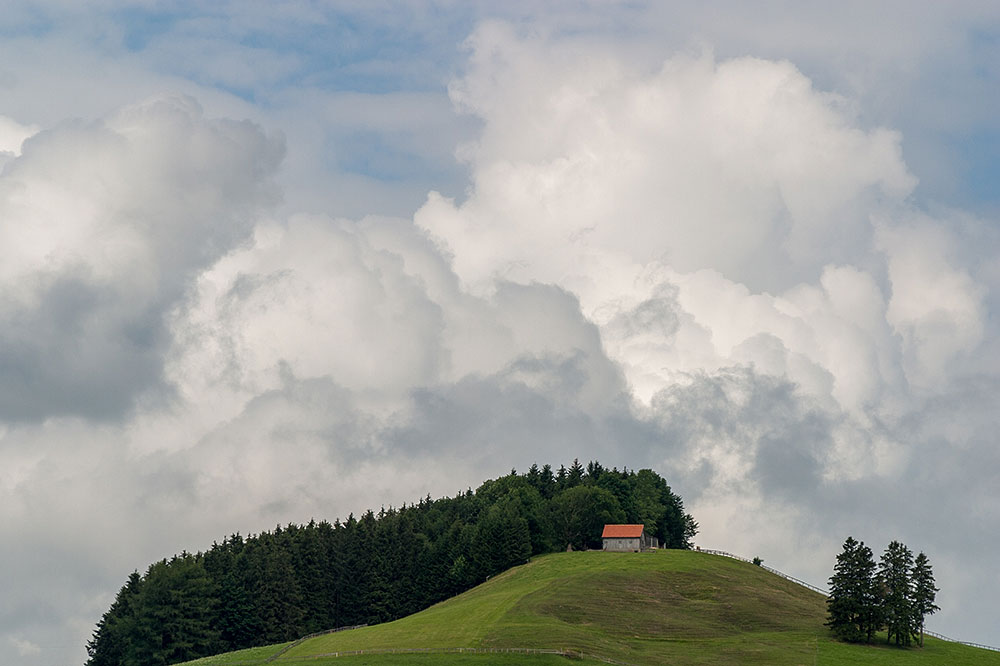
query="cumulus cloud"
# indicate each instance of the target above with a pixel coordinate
(373, 306)
(323, 367)
(738, 166)
(12, 136)
(936, 305)
(755, 264)
(705, 265)
(104, 225)
(706, 213)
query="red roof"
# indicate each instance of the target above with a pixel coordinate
(622, 531)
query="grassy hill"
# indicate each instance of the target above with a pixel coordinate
(669, 606)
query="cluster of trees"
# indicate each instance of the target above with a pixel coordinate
(895, 595)
(277, 586)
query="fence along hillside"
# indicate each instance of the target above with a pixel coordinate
(825, 593)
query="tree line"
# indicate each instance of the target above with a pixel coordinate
(894, 595)
(300, 579)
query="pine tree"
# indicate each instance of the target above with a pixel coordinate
(235, 614)
(872, 613)
(594, 471)
(310, 565)
(110, 640)
(924, 593)
(279, 600)
(853, 604)
(457, 547)
(534, 477)
(561, 478)
(574, 476)
(897, 594)
(547, 482)
(354, 582)
(173, 620)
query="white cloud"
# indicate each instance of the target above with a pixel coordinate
(728, 202)
(12, 136)
(701, 263)
(24, 648)
(104, 225)
(752, 257)
(936, 306)
(739, 166)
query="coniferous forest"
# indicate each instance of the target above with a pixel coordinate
(301, 579)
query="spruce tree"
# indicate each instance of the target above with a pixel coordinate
(842, 603)
(534, 477)
(502, 540)
(114, 631)
(173, 619)
(853, 605)
(277, 593)
(924, 593)
(897, 593)
(872, 614)
(595, 471)
(547, 481)
(561, 476)
(310, 565)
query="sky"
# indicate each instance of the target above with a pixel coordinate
(267, 262)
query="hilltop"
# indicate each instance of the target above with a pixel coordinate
(276, 586)
(669, 606)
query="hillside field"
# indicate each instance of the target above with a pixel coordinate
(663, 607)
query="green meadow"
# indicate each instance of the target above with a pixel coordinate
(663, 607)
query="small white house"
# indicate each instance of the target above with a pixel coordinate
(628, 538)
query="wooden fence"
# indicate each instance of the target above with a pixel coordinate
(826, 594)
(305, 638)
(952, 640)
(774, 571)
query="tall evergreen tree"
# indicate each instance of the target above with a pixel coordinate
(502, 540)
(854, 612)
(595, 471)
(872, 613)
(457, 549)
(380, 599)
(924, 593)
(897, 594)
(114, 631)
(277, 593)
(561, 477)
(173, 620)
(534, 477)
(574, 476)
(310, 565)
(548, 482)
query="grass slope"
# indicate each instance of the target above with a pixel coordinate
(668, 606)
